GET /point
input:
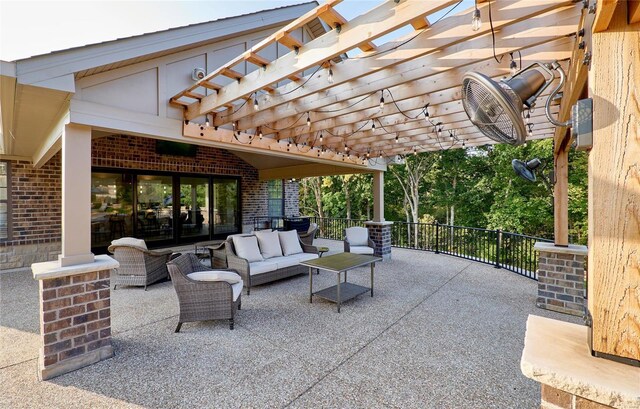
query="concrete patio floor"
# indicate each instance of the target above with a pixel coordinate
(440, 332)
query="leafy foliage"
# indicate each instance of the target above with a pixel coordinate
(475, 187)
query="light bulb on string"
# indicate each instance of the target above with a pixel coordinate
(308, 119)
(513, 66)
(381, 99)
(373, 125)
(415, 151)
(256, 106)
(476, 21)
(426, 111)
(260, 134)
(464, 143)
(346, 147)
(396, 138)
(330, 76)
(320, 137)
(206, 121)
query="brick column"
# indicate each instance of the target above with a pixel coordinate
(561, 276)
(75, 315)
(380, 233)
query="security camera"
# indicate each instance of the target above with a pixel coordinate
(198, 74)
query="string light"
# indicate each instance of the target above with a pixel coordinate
(426, 111)
(260, 134)
(346, 147)
(463, 143)
(308, 120)
(513, 66)
(396, 138)
(476, 21)
(206, 122)
(256, 106)
(320, 137)
(381, 99)
(373, 125)
(415, 150)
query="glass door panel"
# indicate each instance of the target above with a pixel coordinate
(194, 208)
(225, 207)
(111, 207)
(154, 213)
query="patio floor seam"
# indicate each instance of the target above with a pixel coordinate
(376, 337)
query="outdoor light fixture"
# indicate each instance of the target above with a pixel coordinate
(496, 108)
(330, 76)
(382, 100)
(260, 134)
(255, 104)
(476, 21)
(415, 150)
(308, 120)
(320, 137)
(396, 138)
(206, 122)
(373, 125)
(426, 111)
(197, 74)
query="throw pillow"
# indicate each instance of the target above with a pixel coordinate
(247, 247)
(289, 242)
(269, 243)
(216, 275)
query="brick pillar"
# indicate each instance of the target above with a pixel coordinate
(75, 315)
(380, 233)
(561, 276)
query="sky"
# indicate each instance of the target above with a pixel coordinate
(29, 28)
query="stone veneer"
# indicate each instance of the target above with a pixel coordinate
(561, 276)
(380, 233)
(75, 315)
(37, 193)
(557, 355)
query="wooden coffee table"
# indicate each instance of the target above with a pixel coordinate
(340, 263)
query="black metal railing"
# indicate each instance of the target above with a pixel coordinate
(511, 251)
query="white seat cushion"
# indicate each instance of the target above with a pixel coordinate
(209, 275)
(290, 242)
(259, 267)
(285, 261)
(247, 248)
(215, 275)
(129, 241)
(269, 243)
(312, 226)
(305, 256)
(361, 250)
(357, 236)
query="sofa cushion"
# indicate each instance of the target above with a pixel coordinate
(361, 250)
(285, 261)
(247, 248)
(130, 241)
(215, 275)
(357, 236)
(269, 244)
(305, 256)
(290, 242)
(237, 289)
(260, 267)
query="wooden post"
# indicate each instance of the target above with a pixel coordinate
(561, 197)
(614, 189)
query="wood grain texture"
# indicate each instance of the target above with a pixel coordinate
(614, 189)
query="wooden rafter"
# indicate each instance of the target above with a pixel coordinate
(387, 17)
(387, 71)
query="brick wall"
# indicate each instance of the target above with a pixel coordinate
(36, 200)
(291, 198)
(37, 193)
(561, 282)
(380, 233)
(75, 320)
(553, 398)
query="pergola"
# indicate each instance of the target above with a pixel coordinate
(340, 102)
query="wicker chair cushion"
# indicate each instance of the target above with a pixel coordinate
(269, 244)
(259, 267)
(215, 275)
(247, 248)
(357, 236)
(130, 241)
(312, 227)
(290, 242)
(361, 250)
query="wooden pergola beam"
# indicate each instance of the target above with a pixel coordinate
(387, 17)
(508, 39)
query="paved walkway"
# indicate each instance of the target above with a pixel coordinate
(441, 332)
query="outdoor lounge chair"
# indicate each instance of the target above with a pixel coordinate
(307, 238)
(138, 265)
(204, 294)
(356, 240)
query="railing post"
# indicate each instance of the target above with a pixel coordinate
(437, 237)
(498, 244)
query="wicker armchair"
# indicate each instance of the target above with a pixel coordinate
(139, 266)
(307, 238)
(201, 300)
(361, 234)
